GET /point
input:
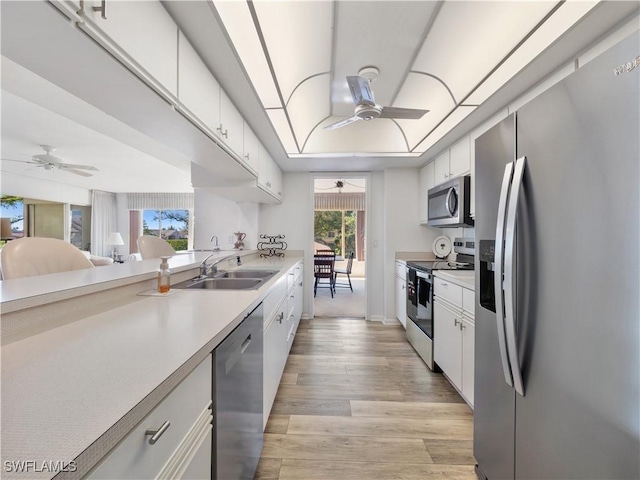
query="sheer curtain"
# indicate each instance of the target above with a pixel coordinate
(103, 221)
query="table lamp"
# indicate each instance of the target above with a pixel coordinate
(115, 239)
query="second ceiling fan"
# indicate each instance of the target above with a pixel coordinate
(366, 107)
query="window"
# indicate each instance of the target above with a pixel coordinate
(171, 225)
(12, 218)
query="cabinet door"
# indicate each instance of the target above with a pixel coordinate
(198, 90)
(263, 168)
(468, 358)
(441, 168)
(401, 301)
(275, 356)
(275, 178)
(199, 467)
(146, 33)
(231, 128)
(460, 158)
(447, 343)
(251, 150)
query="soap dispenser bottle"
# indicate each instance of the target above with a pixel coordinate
(164, 276)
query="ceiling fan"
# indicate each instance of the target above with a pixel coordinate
(366, 107)
(49, 162)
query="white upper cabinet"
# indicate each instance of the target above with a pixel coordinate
(460, 158)
(231, 128)
(146, 33)
(441, 168)
(427, 181)
(269, 174)
(453, 162)
(251, 150)
(198, 90)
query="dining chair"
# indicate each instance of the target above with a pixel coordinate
(346, 271)
(31, 256)
(151, 246)
(323, 266)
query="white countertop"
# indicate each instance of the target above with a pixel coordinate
(464, 278)
(64, 388)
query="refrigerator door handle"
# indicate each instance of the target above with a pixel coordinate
(509, 274)
(499, 269)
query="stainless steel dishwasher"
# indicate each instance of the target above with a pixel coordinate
(238, 404)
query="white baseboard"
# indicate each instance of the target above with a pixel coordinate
(390, 321)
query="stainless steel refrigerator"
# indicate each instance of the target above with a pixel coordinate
(557, 242)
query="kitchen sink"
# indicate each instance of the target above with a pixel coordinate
(220, 284)
(247, 274)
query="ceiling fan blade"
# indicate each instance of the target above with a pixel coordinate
(360, 90)
(342, 123)
(78, 172)
(402, 113)
(20, 161)
(66, 166)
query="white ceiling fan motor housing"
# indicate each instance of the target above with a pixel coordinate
(368, 112)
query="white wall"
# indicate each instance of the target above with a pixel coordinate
(31, 187)
(403, 231)
(214, 215)
(393, 225)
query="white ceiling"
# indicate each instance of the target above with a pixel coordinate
(432, 37)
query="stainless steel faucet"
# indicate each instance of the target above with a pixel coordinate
(215, 248)
(209, 269)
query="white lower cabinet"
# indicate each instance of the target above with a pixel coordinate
(182, 424)
(401, 293)
(454, 335)
(280, 329)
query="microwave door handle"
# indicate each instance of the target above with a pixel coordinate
(447, 202)
(509, 275)
(499, 269)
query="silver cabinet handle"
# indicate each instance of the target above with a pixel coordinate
(456, 322)
(444, 284)
(247, 156)
(509, 274)
(224, 133)
(102, 9)
(280, 317)
(403, 287)
(157, 433)
(499, 266)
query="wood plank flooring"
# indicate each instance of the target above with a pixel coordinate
(357, 403)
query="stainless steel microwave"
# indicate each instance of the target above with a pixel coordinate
(449, 203)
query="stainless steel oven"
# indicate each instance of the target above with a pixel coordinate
(420, 313)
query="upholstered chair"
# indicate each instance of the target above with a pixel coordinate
(154, 247)
(31, 256)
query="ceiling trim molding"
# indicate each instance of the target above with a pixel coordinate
(434, 128)
(438, 79)
(296, 87)
(334, 29)
(263, 44)
(313, 130)
(514, 49)
(423, 39)
(403, 135)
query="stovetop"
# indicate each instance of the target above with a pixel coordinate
(430, 265)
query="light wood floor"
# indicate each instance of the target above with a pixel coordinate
(357, 403)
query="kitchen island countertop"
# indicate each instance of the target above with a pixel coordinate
(71, 393)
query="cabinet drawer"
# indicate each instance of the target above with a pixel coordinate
(401, 270)
(276, 294)
(469, 301)
(134, 457)
(448, 291)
